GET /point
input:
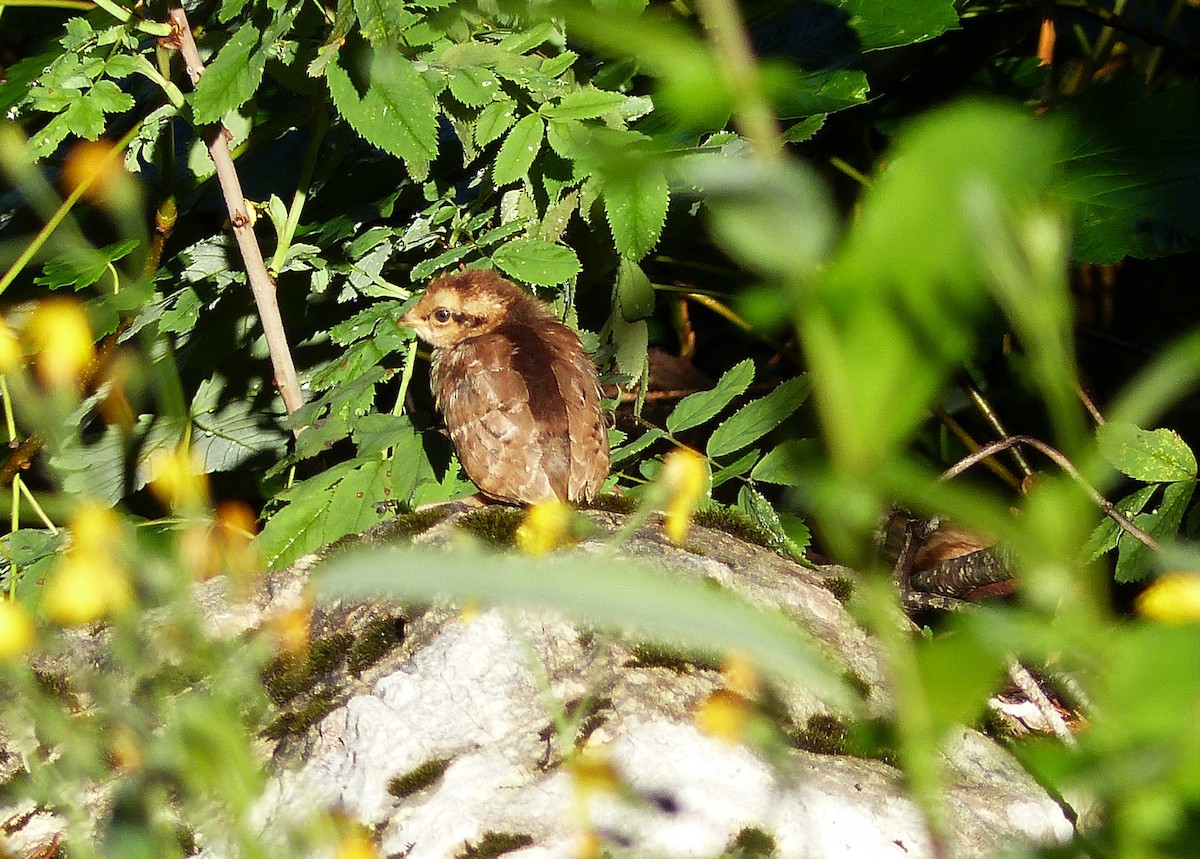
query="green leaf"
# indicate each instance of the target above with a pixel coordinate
(1104, 537)
(337, 502)
(552, 67)
(519, 149)
(583, 104)
(1135, 559)
(228, 431)
(695, 409)
(636, 446)
(1155, 456)
(735, 469)
(537, 262)
(83, 270)
(625, 595)
(636, 197)
(635, 293)
(474, 87)
(755, 505)
(1127, 147)
(424, 269)
(382, 22)
(231, 78)
(783, 464)
(757, 418)
(376, 432)
(493, 121)
(894, 23)
(632, 340)
(775, 218)
(397, 113)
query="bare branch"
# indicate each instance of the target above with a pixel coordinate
(1066, 465)
(261, 283)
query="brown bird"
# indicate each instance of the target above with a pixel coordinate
(516, 387)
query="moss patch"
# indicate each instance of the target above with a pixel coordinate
(495, 525)
(840, 586)
(418, 778)
(736, 524)
(610, 502)
(495, 844)
(299, 720)
(751, 843)
(822, 735)
(376, 640)
(654, 655)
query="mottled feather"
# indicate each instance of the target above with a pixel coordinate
(518, 391)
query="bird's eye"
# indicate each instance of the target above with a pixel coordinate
(441, 315)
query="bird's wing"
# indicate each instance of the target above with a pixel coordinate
(575, 376)
(486, 403)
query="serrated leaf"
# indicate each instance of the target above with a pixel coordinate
(537, 262)
(422, 270)
(493, 121)
(695, 409)
(474, 87)
(636, 446)
(584, 104)
(735, 469)
(1154, 456)
(397, 113)
(1104, 537)
(552, 67)
(635, 293)
(227, 432)
(1134, 558)
(635, 202)
(83, 270)
(755, 505)
(376, 432)
(757, 418)
(382, 22)
(231, 78)
(520, 147)
(781, 464)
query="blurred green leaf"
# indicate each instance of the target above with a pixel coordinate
(892, 23)
(695, 409)
(759, 417)
(596, 591)
(1154, 456)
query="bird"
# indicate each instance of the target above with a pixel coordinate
(518, 392)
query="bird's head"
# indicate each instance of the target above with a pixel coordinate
(462, 305)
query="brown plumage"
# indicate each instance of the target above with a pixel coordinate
(518, 391)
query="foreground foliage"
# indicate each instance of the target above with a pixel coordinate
(639, 170)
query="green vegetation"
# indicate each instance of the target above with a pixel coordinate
(875, 237)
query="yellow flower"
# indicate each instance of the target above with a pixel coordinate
(59, 337)
(10, 349)
(1173, 598)
(685, 478)
(724, 715)
(86, 587)
(177, 479)
(98, 165)
(16, 630)
(357, 847)
(547, 526)
(592, 773)
(88, 582)
(741, 674)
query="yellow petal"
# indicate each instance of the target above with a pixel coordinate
(59, 337)
(16, 630)
(177, 479)
(10, 349)
(685, 478)
(723, 715)
(357, 847)
(86, 588)
(547, 526)
(1173, 598)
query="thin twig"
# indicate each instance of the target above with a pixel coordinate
(261, 283)
(1066, 465)
(1033, 692)
(960, 432)
(993, 419)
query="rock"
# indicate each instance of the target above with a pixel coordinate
(460, 741)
